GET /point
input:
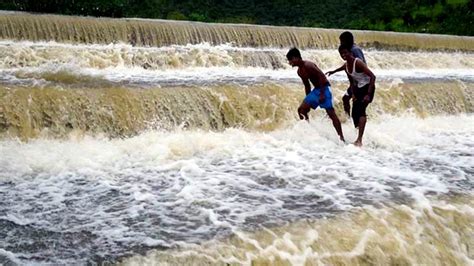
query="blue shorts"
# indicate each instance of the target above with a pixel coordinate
(313, 98)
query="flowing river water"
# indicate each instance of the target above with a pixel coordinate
(144, 142)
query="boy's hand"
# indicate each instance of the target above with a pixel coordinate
(366, 98)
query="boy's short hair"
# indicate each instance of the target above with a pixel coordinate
(344, 47)
(293, 52)
(347, 38)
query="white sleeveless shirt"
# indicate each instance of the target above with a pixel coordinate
(360, 78)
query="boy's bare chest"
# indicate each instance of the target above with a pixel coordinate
(302, 72)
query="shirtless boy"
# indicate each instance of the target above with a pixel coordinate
(321, 93)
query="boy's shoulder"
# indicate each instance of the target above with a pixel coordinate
(357, 52)
(309, 64)
(356, 48)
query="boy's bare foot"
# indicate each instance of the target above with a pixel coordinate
(358, 143)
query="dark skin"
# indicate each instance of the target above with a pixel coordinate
(341, 68)
(311, 74)
(360, 67)
(345, 98)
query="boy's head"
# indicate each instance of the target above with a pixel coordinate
(293, 56)
(346, 38)
(345, 51)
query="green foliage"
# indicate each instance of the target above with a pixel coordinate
(176, 15)
(431, 16)
(197, 17)
(147, 8)
(456, 2)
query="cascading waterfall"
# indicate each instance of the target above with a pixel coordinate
(141, 32)
(121, 112)
(144, 142)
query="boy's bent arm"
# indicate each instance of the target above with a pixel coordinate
(369, 73)
(307, 86)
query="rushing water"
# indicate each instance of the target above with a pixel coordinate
(190, 151)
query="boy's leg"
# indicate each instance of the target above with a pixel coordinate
(303, 111)
(335, 122)
(360, 119)
(346, 101)
(362, 122)
(347, 104)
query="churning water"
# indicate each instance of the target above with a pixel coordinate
(151, 150)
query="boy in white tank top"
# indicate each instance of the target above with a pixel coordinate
(347, 39)
(362, 89)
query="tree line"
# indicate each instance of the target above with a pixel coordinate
(426, 16)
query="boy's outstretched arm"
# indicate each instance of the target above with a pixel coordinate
(341, 68)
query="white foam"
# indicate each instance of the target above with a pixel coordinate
(233, 178)
(28, 62)
(170, 188)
